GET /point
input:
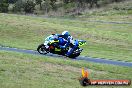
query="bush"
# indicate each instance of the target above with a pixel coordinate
(46, 6)
(39, 2)
(4, 5)
(29, 6)
(18, 6)
(12, 1)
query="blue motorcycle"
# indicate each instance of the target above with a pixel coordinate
(54, 48)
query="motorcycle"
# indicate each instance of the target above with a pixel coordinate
(54, 48)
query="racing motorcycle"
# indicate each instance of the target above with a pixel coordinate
(54, 48)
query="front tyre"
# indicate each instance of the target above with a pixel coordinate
(74, 55)
(41, 49)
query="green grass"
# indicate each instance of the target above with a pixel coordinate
(118, 12)
(104, 40)
(18, 70)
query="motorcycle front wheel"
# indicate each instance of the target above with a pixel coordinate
(76, 53)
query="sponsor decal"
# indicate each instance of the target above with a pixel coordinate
(85, 81)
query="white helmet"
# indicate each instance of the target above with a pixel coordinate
(66, 33)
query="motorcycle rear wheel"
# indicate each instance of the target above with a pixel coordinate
(41, 49)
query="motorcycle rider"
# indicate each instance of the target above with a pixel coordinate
(65, 40)
(70, 42)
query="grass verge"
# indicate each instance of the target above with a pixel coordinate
(18, 70)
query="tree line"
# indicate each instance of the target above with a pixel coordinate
(28, 6)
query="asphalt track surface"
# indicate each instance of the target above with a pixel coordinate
(96, 60)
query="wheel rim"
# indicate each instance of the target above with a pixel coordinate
(42, 51)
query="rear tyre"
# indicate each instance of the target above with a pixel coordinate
(41, 49)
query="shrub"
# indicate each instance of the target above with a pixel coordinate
(18, 6)
(4, 5)
(29, 6)
(39, 2)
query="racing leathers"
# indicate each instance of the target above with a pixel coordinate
(71, 44)
(63, 42)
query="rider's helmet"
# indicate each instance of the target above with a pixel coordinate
(65, 34)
